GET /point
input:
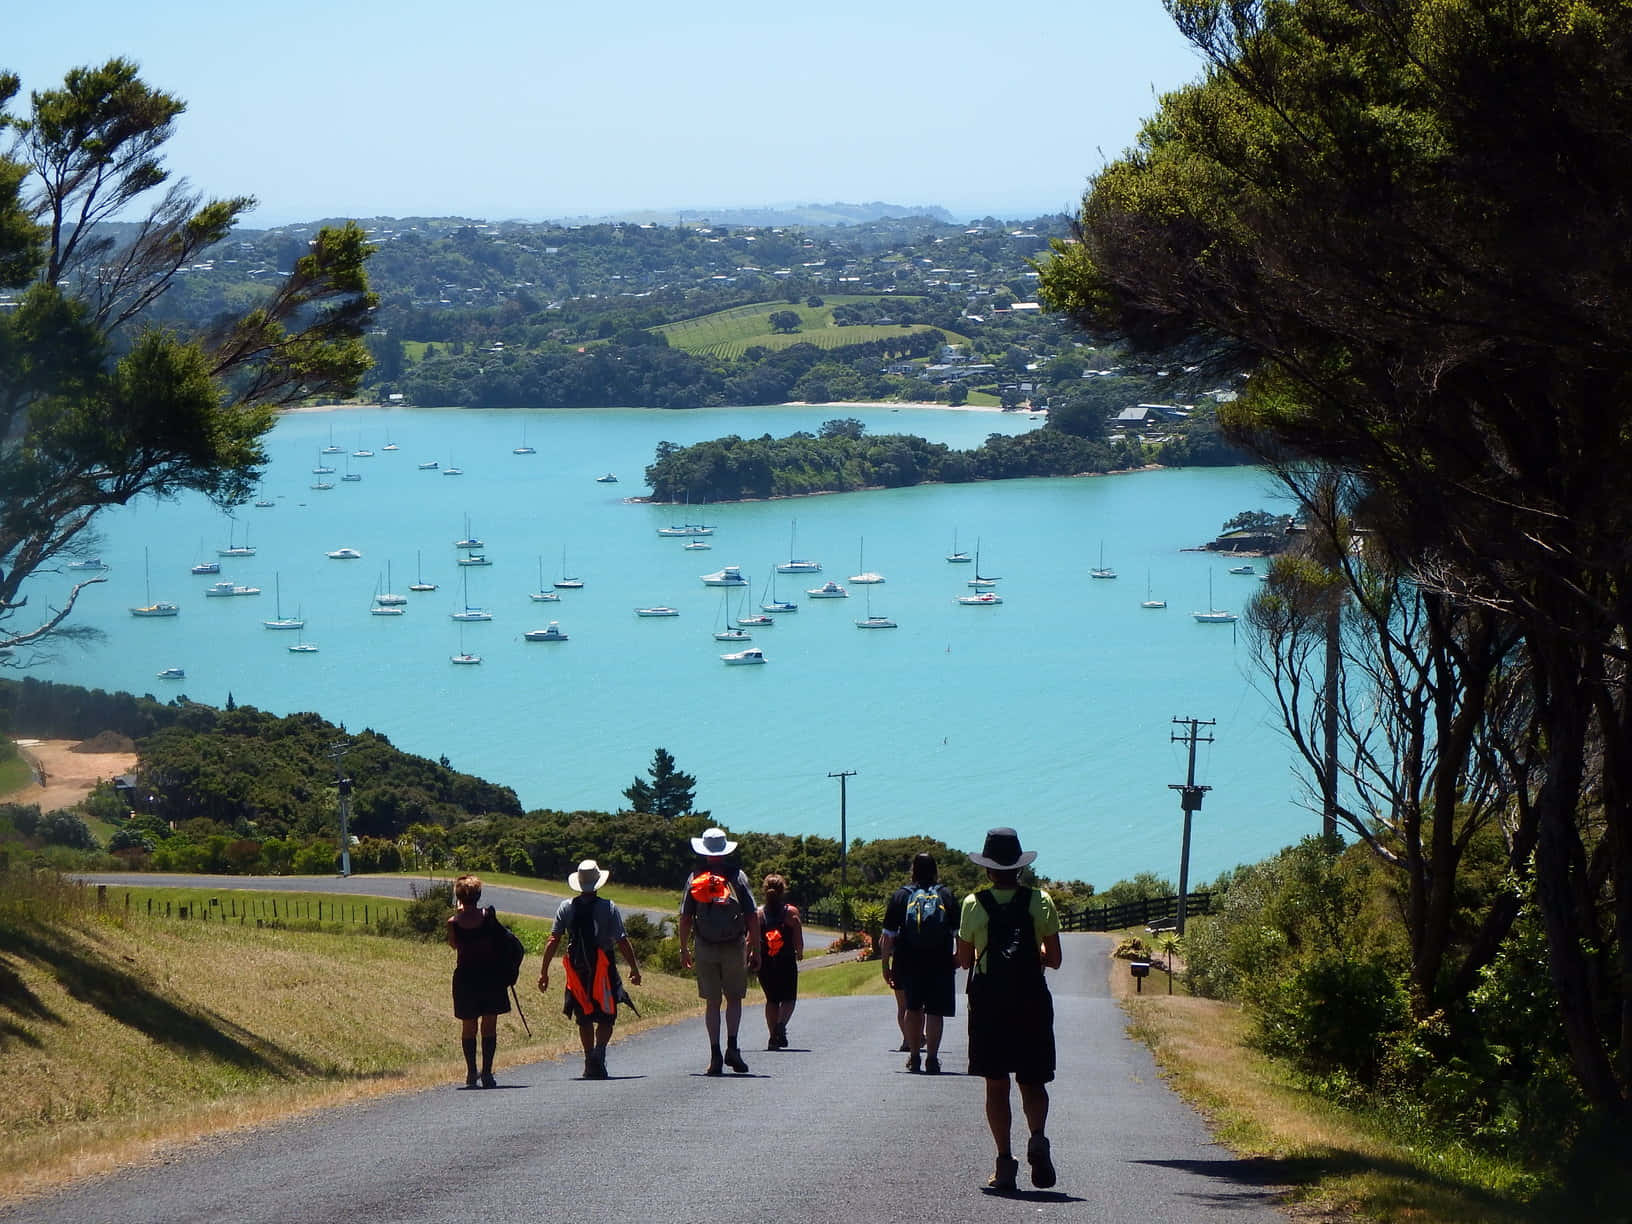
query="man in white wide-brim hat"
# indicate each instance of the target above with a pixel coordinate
(718, 908)
(1007, 936)
(594, 926)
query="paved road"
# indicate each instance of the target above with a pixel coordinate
(831, 1130)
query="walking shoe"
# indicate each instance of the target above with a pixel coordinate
(770, 1043)
(470, 1079)
(716, 1064)
(913, 1064)
(781, 1036)
(595, 1065)
(1042, 1168)
(902, 1048)
(488, 1081)
(932, 1065)
(1002, 1178)
(733, 1059)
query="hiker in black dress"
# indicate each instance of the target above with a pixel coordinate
(479, 992)
(781, 948)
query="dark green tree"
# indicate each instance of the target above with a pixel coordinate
(668, 794)
(97, 404)
(1411, 218)
(784, 320)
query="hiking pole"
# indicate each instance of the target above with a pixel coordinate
(519, 1012)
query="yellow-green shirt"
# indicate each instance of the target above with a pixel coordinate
(1045, 919)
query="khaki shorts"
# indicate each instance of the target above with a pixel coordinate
(722, 969)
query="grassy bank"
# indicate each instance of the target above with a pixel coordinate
(121, 1033)
(1342, 1165)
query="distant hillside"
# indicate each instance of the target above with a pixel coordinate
(774, 214)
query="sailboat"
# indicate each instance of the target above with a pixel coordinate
(874, 622)
(469, 540)
(728, 632)
(378, 607)
(331, 448)
(771, 603)
(419, 583)
(1102, 570)
(152, 607)
(543, 594)
(1148, 601)
(389, 445)
(464, 656)
(351, 475)
(468, 613)
(235, 550)
(866, 576)
(386, 599)
(206, 567)
(957, 556)
(280, 621)
(981, 582)
(301, 645)
(567, 582)
(1213, 616)
(795, 564)
(523, 449)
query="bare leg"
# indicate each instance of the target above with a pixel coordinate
(733, 1020)
(711, 1021)
(586, 1035)
(773, 1013)
(914, 1030)
(1034, 1103)
(933, 1025)
(998, 1114)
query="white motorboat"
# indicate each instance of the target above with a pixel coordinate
(1242, 569)
(320, 485)
(609, 478)
(226, 589)
(867, 577)
(986, 599)
(550, 634)
(173, 673)
(90, 565)
(477, 559)
(303, 648)
(697, 546)
(430, 465)
(875, 622)
(795, 564)
(657, 610)
(207, 567)
(737, 659)
(730, 576)
(828, 590)
(343, 554)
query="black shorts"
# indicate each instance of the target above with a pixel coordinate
(1011, 1034)
(930, 990)
(779, 979)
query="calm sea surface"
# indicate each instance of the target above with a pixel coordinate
(1051, 712)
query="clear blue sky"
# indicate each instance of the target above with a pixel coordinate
(523, 108)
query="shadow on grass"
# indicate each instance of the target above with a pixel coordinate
(125, 996)
(17, 998)
(1417, 1189)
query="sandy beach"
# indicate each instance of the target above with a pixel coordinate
(69, 775)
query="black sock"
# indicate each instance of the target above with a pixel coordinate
(490, 1043)
(469, 1046)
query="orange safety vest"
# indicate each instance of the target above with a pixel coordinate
(595, 996)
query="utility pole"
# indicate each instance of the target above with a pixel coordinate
(843, 776)
(337, 752)
(1190, 800)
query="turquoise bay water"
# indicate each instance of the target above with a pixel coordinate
(1051, 712)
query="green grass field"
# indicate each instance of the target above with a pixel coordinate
(730, 333)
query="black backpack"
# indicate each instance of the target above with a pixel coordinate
(510, 950)
(1011, 959)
